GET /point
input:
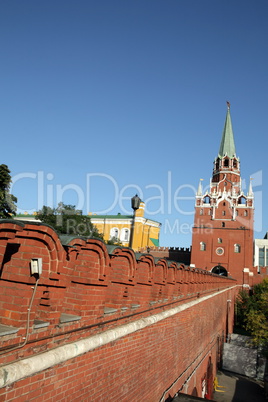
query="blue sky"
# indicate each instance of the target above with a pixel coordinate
(100, 100)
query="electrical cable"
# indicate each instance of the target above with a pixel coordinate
(28, 322)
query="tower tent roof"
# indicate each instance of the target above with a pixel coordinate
(227, 147)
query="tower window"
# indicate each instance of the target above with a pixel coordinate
(242, 200)
(206, 200)
(223, 224)
(219, 240)
(226, 162)
(237, 248)
(223, 213)
(245, 213)
(201, 211)
(202, 246)
(235, 163)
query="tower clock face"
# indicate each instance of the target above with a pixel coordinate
(219, 251)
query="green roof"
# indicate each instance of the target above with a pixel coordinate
(227, 147)
(155, 242)
(118, 216)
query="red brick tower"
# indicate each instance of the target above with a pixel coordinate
(222, 238)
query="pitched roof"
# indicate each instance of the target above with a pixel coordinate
(227, 147)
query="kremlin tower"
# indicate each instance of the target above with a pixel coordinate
(222, 237)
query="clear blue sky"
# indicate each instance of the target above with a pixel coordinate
(103, 99)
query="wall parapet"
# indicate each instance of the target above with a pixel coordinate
(84, 287)
(178, 254)
(159, 248)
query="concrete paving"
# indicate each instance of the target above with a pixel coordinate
(238, 388)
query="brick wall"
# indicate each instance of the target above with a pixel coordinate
(105, 324)
(178, 254)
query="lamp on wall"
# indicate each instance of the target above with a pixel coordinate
(135, 204)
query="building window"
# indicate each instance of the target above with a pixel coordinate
(223, 224)
(245, 213)
(124, 235)
(219, 250)
(114, 233)
(261, 257)
(237, 248)
(219, 240)
(202, 246)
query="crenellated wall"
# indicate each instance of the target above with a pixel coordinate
(178, 254)
(103, 323)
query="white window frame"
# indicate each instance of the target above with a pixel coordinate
(202, 246)
(114, 233)
(237, 248)
(125, 234)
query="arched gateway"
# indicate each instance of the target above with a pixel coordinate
(219, 270)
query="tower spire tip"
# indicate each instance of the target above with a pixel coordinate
(228, 104)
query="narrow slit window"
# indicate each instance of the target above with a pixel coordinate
(237, 248)
(202, 246)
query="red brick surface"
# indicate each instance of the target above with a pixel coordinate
(83, 279)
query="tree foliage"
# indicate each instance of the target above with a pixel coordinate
(7, 201)
(252, 314)
(114, 241)
(65, 219)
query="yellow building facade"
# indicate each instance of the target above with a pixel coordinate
(133, 231)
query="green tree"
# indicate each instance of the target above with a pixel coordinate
(65, 219)
(114, 241)
(252, 314)
(7, 200)
(243, 302)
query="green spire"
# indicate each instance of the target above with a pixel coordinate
(227, 146)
